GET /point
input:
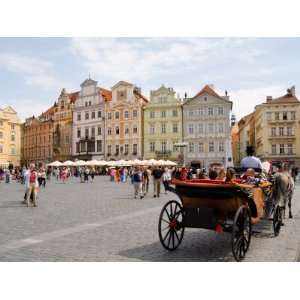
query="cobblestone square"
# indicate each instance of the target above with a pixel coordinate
(101, 221)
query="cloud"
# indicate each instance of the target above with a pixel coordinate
(143, 59)
(35, 71)
(245, 100)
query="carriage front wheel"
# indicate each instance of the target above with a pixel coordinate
(170, 225)
(241, 233)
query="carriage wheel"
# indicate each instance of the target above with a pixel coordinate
(277, 220)
(170, 225)
(241, 233)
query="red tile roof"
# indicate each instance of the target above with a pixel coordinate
(287, 98)
(208, 90)
(73, 96)
(141, 96)
(106, 94)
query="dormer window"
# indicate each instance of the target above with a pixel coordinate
(205, 98)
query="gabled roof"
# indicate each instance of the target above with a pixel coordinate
(208, 90)
(49, 111)
(9, 109)
(106, 94)
(88, 81)
(122, 82)
(245, 119)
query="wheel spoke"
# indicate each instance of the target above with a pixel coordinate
(176, 235)
(165, 220)
(169, 239)
(165, 237)
(171, 206)
(166, 210)
(173, 239)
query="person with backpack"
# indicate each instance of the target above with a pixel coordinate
(31, 182)
(137, 178)
(157, 176)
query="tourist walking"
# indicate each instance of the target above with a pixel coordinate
(146, 180)
(166, 178)
(86, 174)
(157, 175)
(31, 183)
(137, 182)
(92, 173)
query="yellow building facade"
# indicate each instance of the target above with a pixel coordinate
(10, 137)
(162, 125)
(277, 129)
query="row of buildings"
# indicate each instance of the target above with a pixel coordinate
(121, 123)
(273, 128)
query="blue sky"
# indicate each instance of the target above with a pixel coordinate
(34, 70)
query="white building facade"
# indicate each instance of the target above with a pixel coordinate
(206, 129)
(88, 140)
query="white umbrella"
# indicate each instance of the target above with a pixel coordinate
(121, 163)
(101, 163)
(68, 163)
(92, 162)
(79, 163)
(112, 163)
(151, 162)
(170, 163)
(136, 162)
(55, 164)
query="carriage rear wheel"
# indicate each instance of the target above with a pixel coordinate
(241, 233)
(277, 220)
(170, 225)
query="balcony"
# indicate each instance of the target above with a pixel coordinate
(289, 121)
(284, 136)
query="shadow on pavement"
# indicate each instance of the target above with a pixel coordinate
(217, 247)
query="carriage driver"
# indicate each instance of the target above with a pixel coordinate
(251, 161)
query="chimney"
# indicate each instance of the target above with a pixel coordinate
(293, 91)
(269, 98)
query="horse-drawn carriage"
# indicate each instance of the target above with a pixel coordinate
(220, 206)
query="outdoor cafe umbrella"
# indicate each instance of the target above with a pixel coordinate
(55, 164)
(68, 163)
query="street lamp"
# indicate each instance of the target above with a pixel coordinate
(182, 146)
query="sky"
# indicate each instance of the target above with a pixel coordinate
(34, 70)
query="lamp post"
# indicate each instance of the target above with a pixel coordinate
(182, 147)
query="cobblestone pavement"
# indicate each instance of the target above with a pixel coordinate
(101, 221)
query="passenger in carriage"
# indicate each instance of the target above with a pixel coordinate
(212, 174)
(249, 177)
(230, 175)
(251, 161)
(221, 174)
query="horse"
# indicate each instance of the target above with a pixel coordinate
(283, 190)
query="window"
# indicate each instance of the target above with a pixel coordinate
(210, 128)
(163, 114)
(86, 132)
(191, 147)
(152, 129)
(152, 114)
(269, 116)
(293, 115)
(126, 149)
(221, 128)
(109, 149)
(78, 116)
(211, 147)
(126, 130)
(210, 111)
(77, 147)
(13, 151)
(135, 130)
(86, 115)
(152, 146)
(221, 146)
(289, 131)
(220, 110)
(93, 131)
(13, 138)
(117, 149)
(93, 115)
(200, 128)
(117, 130)
(134, 114)
(126, 114)
(108, 131)
(1, 123)
(78, 133)
(201, 111)
(175, 149)
(86, 104)
(90, 103)
(117, 115)
(99, 146)
(191, 113)
(276, 116)
(99, 113)
(175, 128)
(191, 129)
(284, 115)
(163, 128)
(175, 113)
(274, 149)
(290, 148)
(281, 148)
(99, 130)
(134, 149)
(109, 116)
(1, 135)
(201, 147)
(163, 146)
(281, 131)
(273, 131)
